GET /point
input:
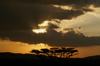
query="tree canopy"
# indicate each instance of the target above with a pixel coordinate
(56, 52)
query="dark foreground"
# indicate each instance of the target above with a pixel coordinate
(28, 59)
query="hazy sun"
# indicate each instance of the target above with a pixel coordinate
(39, 30)
(42, 27)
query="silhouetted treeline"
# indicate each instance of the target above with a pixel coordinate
(61, 52)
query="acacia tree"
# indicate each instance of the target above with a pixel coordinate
(57, 52)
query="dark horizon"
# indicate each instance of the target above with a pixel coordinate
(10, 56)
(29, 59)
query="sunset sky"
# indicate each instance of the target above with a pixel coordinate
(36, 24)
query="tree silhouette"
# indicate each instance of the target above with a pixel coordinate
(56, 52)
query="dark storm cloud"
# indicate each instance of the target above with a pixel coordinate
(24, 17)
(58, 2)
(27, 14)
(50, 25)
(19, 17)
(73, 3)
(52, 38)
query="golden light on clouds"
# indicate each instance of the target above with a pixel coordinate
(45, 23)
(39, 30)
(96, 11)
(42, 27)
(42, 44)
(64, 7)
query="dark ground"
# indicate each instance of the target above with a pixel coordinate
(28, 59)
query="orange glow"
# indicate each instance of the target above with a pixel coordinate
(19, 47)
(42, 44)
(39, 30)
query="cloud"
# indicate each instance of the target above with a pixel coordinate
(68, 29)
(19, 47)
(19, 17)
(72, 3)
(64, 2)
(79, 28)
(25, 17)
(52, 38)
(27, 14)
(96, 12)
(51, 26)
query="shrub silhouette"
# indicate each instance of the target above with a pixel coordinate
(56, 52)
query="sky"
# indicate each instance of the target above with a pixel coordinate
(36, 24)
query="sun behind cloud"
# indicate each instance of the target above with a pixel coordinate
(39, 30)
(42, 27)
